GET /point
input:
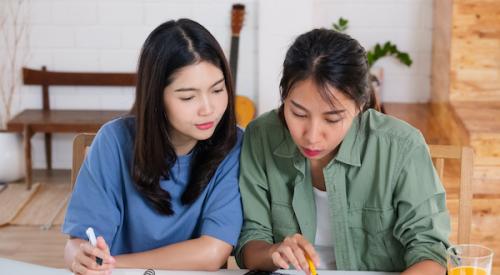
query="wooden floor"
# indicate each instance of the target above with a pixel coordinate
(31, 244)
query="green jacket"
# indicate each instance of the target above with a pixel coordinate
(387, 203)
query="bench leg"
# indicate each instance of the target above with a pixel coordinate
(27, 153)
(48, 150)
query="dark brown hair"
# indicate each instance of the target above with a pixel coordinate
(170, 47)
(329, 58)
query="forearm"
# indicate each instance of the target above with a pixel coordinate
(204, 253)
(425, 267)
(257, 255)
(70, 251)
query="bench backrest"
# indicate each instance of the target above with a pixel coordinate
(46, 78)
(245, 108)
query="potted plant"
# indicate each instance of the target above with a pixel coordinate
(13, 32)
(377, 52)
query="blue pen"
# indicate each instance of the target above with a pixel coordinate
(93, 242)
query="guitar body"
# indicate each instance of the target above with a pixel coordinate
(245, 108)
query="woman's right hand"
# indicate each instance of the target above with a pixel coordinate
(84, 261)
(293, 251)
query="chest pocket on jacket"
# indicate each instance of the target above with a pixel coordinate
(370, 229)
(283, 220)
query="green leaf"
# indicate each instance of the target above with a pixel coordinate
(405, 59)
(378, 51)
(387, 50)
(341, 25)
(369, 56)
(343, 22)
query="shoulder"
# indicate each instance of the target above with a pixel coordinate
(265, 121)
(118, 131)
(382, 126)
(267, 129)
(118, 125)
(234, 154)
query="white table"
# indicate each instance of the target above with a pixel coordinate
(11, 267)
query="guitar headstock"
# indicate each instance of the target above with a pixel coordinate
(237, 17)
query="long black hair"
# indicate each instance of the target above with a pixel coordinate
(170, 47)
(329, 58)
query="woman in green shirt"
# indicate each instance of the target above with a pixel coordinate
(327, 176)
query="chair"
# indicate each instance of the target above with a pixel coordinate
(80, 145)
(465, 155)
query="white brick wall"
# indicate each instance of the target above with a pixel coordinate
(407, 23)
(281, 21)
(106, 35)
(90, 35)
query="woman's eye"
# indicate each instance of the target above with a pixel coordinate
(186, 98)
(333, 121)
(298, 115)
(218, 91)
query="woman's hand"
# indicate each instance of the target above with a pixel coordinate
(293, 250)
(84, 261)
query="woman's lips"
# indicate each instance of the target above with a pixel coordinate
(205, 126)
(310, 152)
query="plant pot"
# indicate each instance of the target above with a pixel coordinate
(11, 157)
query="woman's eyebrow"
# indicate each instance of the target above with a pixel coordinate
(333, 112)
(190, 89)
(298, 105)
(217, 82)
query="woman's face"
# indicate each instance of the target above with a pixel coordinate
(315, 126)
(195, 102)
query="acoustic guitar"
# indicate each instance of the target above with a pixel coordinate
(245, 109)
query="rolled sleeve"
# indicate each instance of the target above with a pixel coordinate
(423, 223)
(254, 193)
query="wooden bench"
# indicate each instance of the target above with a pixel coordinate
(48, 121)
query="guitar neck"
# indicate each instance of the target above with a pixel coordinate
(233, 57)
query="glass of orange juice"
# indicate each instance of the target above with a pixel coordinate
(469, 259)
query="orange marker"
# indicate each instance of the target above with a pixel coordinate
(312, 268)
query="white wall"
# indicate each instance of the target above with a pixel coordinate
(280, 22)
(91, 35)
(407, 23)
(106, 35)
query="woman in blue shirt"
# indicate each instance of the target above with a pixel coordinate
(160, 186)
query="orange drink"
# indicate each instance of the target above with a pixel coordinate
(467, 270)
(469, 259)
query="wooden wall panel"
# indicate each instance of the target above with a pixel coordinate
(441, 44)
(475, 51)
